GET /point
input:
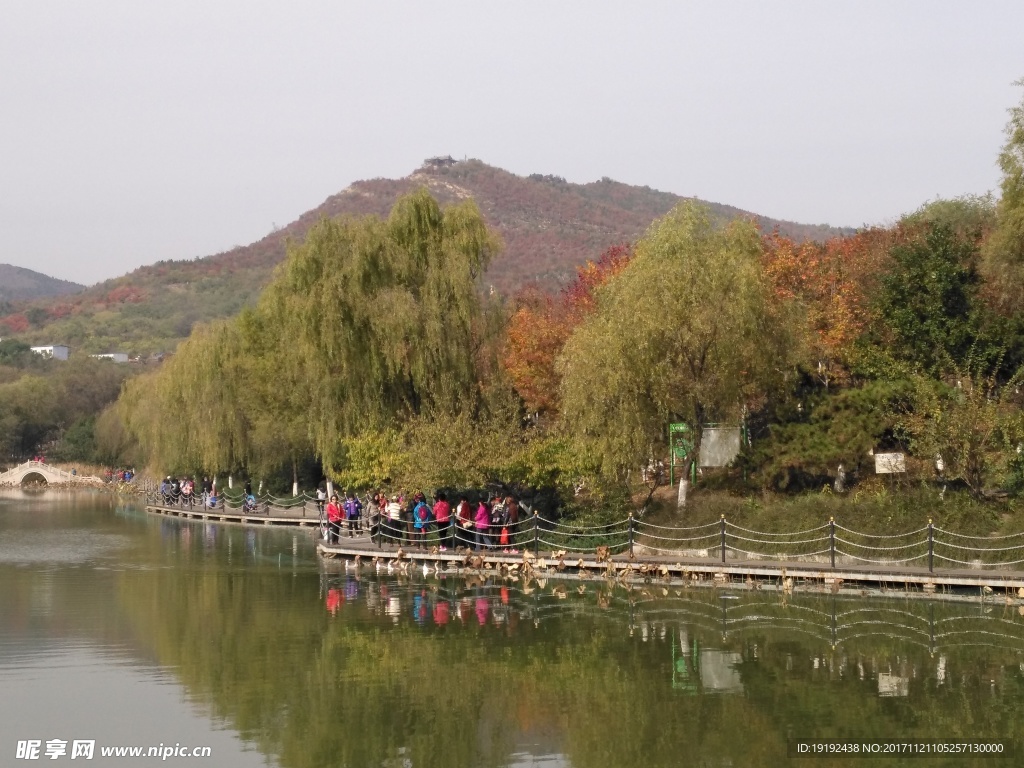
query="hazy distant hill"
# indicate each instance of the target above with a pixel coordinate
(549, 227)
(19, 284)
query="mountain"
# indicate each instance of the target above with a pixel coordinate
(20, 284)
(549, 227)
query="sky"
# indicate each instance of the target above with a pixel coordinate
(133, 132)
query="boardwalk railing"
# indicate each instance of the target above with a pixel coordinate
(271, 506)
(832, 543)
(829, 544)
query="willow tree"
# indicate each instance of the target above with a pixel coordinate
(383, 316)
(368, 323)
(1004, 252)
(190, 413)
(686, 332)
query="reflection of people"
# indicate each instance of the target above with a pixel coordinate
(441, 612)
(419, 608)
(482, 609)
(333, 600)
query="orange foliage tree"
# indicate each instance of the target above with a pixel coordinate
(834, 282)
(541, 325)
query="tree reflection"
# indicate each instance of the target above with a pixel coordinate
(470, 671)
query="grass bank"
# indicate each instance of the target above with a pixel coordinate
(874, 507)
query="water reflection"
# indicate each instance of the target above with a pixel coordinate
(317, 668)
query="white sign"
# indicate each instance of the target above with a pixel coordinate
(719, 446)
(890, 463)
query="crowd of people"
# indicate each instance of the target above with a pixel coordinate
(409, 520)
(183, 490)
(118, 475)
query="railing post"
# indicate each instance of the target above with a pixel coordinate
(536, 533)
(832, 539)
(722, 524)
(630, 534)
(931, 547)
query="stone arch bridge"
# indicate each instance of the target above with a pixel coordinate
(37, 470)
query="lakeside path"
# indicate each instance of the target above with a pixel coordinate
(642, 567)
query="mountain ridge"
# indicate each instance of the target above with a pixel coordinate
(549, 226)
(23, 284)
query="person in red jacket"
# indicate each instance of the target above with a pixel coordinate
(333, 520)
(442, 516)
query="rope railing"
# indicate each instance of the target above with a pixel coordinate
(882, 549)
(982, 538)
(881, 535)
(645, 524)
(680, 538)
(779, 543)
(722, 540)
(576, 525)
(767, 533)
(879, 561)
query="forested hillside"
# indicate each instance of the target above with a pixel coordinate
(18, 284)
(549, 228)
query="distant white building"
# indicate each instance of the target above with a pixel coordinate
(117, 357)
(55, 351)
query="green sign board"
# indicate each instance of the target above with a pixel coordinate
(680, 446)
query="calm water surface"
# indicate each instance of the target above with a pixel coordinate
(128, 629)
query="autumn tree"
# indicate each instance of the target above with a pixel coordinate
(833, 284)
(539, 328)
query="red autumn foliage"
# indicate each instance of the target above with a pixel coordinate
(835, 281)
(125, 294)
(541, 325)
(16, 323)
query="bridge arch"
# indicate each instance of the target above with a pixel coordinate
(33, 477)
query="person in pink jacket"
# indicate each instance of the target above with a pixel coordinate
(481, 522)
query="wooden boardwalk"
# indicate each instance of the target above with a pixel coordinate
(237, 516)
(674, 570)
(642, 567)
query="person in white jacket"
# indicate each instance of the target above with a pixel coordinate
(394, 511)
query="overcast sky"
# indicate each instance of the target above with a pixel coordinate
(132, 131)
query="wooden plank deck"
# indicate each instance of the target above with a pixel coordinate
(643, 566)
(232, 516)
(693, 568)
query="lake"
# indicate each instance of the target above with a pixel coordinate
(125, 629)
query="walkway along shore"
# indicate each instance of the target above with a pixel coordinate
(929, 559)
